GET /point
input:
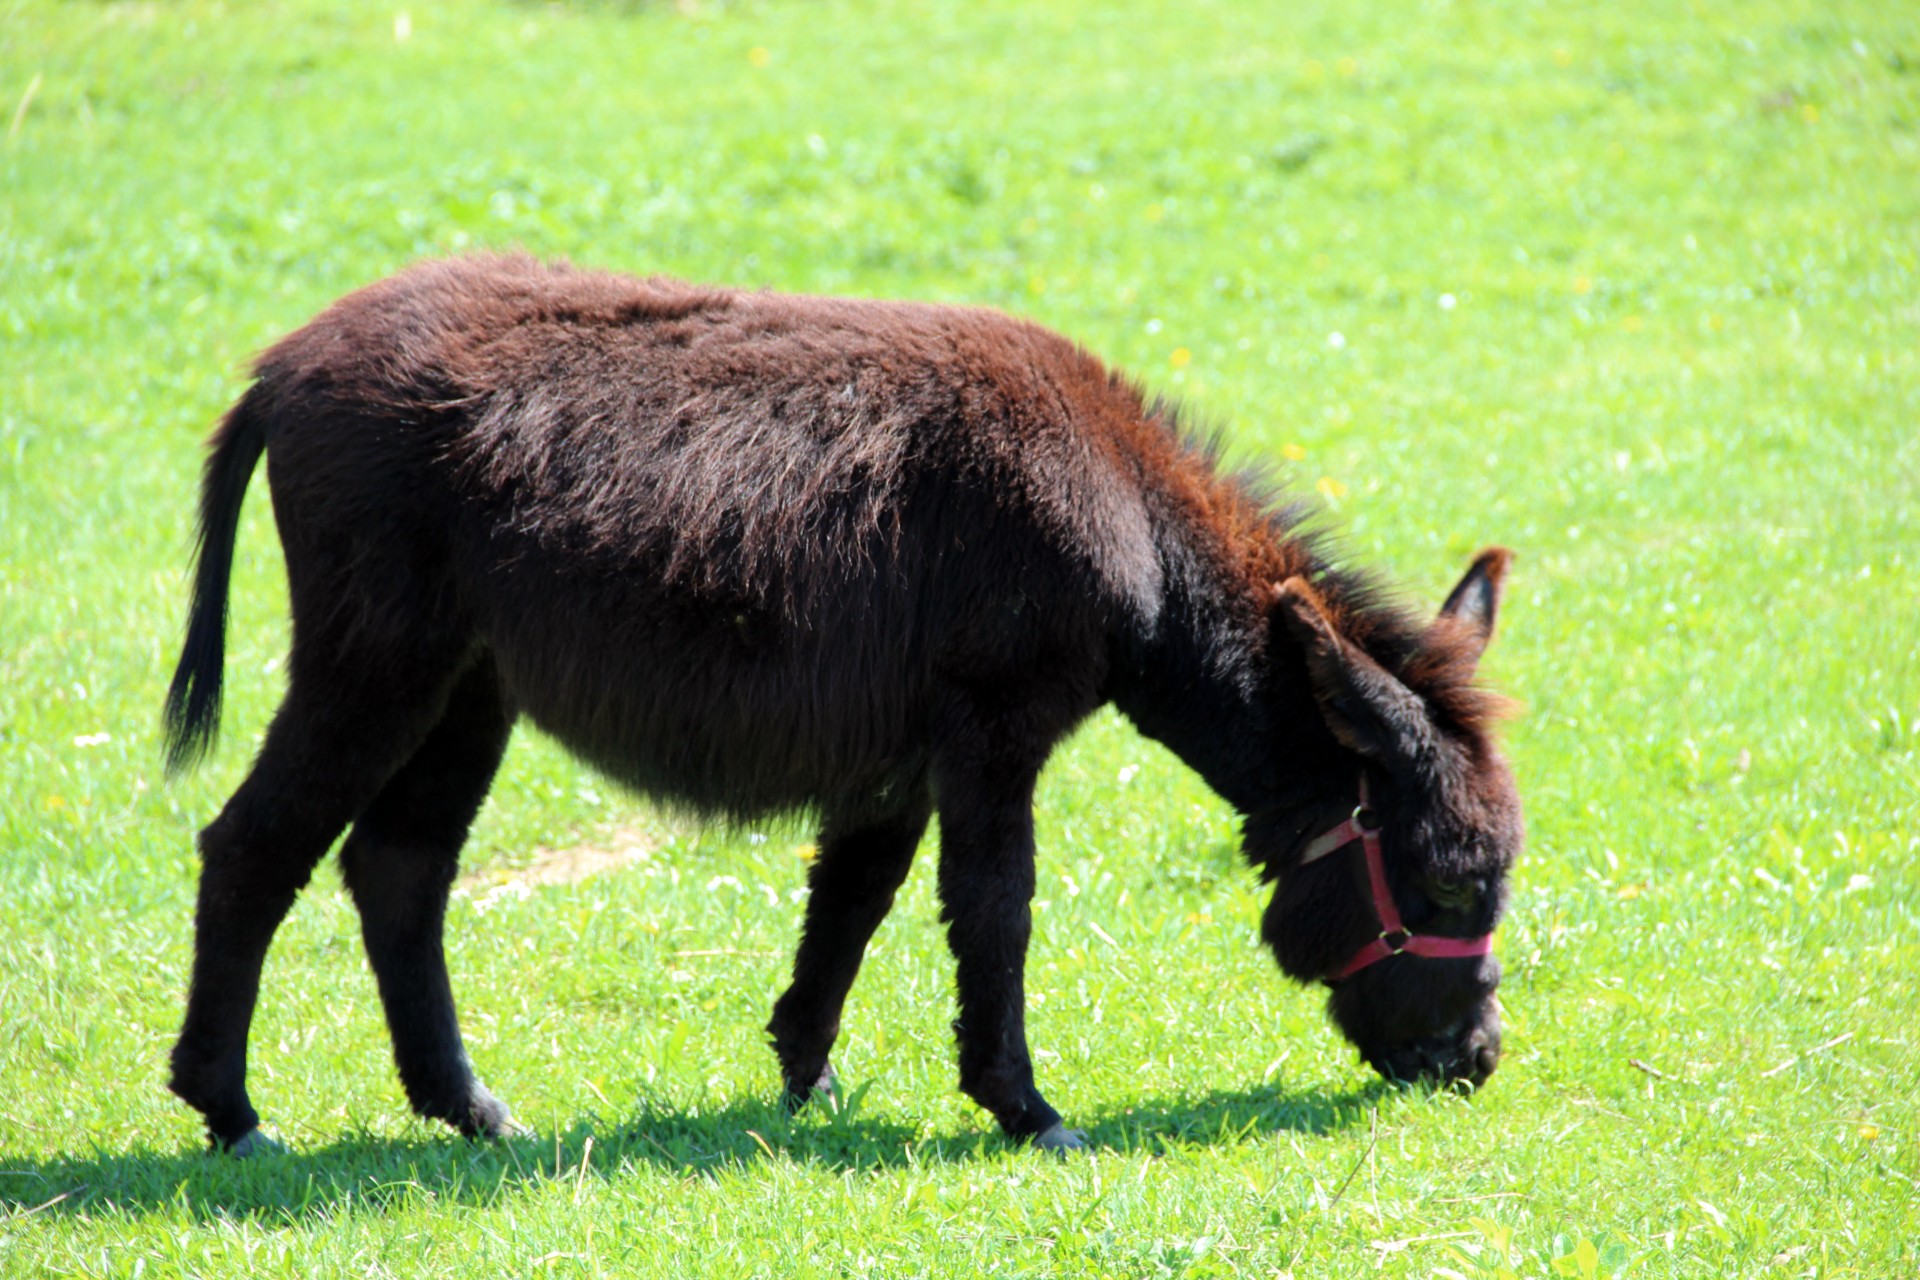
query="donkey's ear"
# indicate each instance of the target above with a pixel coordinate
(1367, 709)
(1471, 606)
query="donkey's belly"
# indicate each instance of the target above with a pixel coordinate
(726, 731)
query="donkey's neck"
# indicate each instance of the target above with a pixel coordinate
(1215, 682)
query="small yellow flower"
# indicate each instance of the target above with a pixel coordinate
(1869, 1132)
(806, 852)
(758, 56)
(1180, 358)
(1330, 487)
(1293, 452)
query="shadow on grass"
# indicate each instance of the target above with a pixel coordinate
(365, 1173)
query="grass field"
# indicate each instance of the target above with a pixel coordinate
(1634, 289)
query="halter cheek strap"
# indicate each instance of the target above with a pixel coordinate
(1394, 936)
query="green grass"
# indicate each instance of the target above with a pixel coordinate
(1631, 288)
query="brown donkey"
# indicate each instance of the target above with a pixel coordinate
(867, 560)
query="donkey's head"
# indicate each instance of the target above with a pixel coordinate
(1393, 906)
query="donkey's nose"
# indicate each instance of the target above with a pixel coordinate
(1481, 1056)
(1466, 1060)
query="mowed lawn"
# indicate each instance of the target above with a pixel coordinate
(1631, 288)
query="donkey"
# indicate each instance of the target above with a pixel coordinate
(867, 561)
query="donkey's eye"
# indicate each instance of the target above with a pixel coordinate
(1454, 894)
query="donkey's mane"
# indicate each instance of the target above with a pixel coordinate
(1270, 534)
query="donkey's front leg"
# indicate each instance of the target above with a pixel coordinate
(860, 867)
(986, 891)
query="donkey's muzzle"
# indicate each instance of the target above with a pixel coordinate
(1462, 1056)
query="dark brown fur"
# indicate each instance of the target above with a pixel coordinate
(753, 553)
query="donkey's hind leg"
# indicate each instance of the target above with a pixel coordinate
(333, 744)
(399, 862)
(859, 868)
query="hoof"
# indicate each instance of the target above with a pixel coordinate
(798, 1096)
(488, 1117)
(498, 1129)
(248, 1145)
(507, 1128)
(1060, 1138)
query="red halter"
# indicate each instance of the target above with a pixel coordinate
(1394, 937)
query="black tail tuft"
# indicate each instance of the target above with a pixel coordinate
(193, 702)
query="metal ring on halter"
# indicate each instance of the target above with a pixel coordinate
(1365, 826)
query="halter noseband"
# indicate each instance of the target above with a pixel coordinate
(1394, 936)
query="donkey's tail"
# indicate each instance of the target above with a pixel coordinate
(193, 702)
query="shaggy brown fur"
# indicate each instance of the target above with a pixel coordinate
(750, 553)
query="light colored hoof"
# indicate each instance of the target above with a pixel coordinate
(1061, 1138)
(255, 1143)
